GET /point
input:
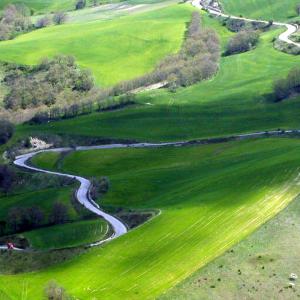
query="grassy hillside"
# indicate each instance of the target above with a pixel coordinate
(141, 39)
(45, 6)
(210, 198)
(68, 235)
(235, 101)
(257, 268)
(262, 9)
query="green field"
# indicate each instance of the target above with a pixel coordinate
(262, 9)
(68, 235)
(265, 260)
(234, 101)
(202, 214)
(45, 6)
(142, 39)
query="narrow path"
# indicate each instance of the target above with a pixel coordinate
(284, 37)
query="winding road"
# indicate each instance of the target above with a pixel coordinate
(284, 37)
(83, 192)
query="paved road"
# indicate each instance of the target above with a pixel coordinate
(83, 195)
(284, 37)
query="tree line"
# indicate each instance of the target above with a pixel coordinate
(21, 219)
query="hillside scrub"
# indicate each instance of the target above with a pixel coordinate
(242, 42)
(7, 130)
(285, 87)
(48, 83)
(14, 21)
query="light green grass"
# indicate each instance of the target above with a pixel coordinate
(210, 198)
(265, 260)
(232, 102)
(46, 160)
(114, 50)
(44, 6)
(262, 9)
(68, 235)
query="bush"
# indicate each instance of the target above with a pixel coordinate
(14, 20)
(43, 22)
(7, 130)
(55, 292)
(80, 4)
(242, 42)
(59, 18)
(283, 88)
(59, 213)
(7, 178)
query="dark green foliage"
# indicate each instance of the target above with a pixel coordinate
(243, 41)
(22, 219)
(7, 178)
(7, 130)
(235, 25)
(59, 214)
(80, 4)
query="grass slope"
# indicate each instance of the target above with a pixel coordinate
(262, 9)
(210, 197)
(141, 39)
(44, 6)
(68, 235)
(265, 260)
(233, 102)
(44, 199)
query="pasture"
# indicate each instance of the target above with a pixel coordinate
(210, 198)
(142, 39)
(279, 10)
(68, 235)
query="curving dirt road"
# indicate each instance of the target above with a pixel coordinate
(284, 37)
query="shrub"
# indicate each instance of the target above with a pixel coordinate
(14, 20)
(80, 4)
(7, 178)
(7, 130)
(284, 87)
(59, 18)
(235, 25)
(59, 213)
(281, 89)
(43, 22)
(242, 42)
(55, 292)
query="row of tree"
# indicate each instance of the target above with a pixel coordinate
(285, 87)
(83, 108)
(20, 219)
